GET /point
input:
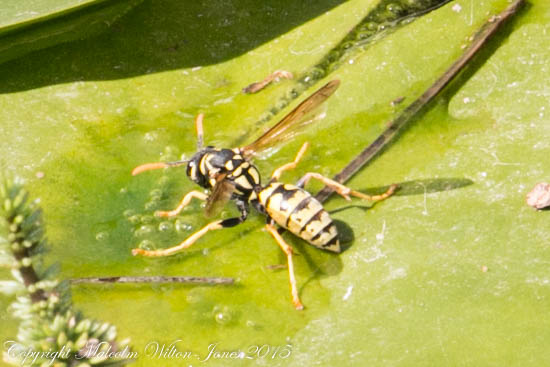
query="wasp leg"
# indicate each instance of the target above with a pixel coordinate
(343, 190)
(219, 224)
(275, 76)
(288, 251)
(188, 242)
(184, 202)
(279, 171)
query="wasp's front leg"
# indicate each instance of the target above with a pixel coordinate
(219, 224)
(184, 202)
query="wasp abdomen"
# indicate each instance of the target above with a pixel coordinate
(296, 210)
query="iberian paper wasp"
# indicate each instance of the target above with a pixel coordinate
(230, 175)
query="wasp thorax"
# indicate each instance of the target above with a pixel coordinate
(208, 163)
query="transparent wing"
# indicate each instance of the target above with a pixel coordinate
(292, 122)
(221, 193)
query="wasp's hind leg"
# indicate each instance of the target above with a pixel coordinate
(288, 251)
(275, 76)
(279, 171)
(184, 202)
(345, 191)
(219, 224)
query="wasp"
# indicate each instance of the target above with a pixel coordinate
(230, 175)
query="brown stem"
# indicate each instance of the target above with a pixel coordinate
(154, 279)
(29, 277)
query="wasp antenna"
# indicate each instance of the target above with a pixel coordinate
(148, 167)
(198, 125)
(176, 163)
(157, 165)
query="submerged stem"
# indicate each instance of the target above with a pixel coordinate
(153, 279)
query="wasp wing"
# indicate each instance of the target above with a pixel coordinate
(292, 122)
(221, 193)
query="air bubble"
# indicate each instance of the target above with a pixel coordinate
(151, 205)
(151, 136)
(163, 181)
(363, 35)
(147, 245)
(193, 297)
(394, 8)
(291, 94)
(155, 194)
(165, 226)
(124, 190)
(371, 26)
(170, 150)
(102, 236)
(181, 226)
(144, 230)
(146, 219)
(316, 73)
(222, 315)
(128, 213)
(347, 45)
(134, 219)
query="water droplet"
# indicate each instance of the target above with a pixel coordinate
(144, 230)
(163, 181)
(222, 315)
(371, 26)
(151, 136)
(193, 297)
(102, 236)
(205, 252)
(363, 35)
(147, 245)
(134, 219)
(170, 150)
(146, 219)
(394, 8)
(151, 205)
(181, 226)
(156, 193)
(165, 226)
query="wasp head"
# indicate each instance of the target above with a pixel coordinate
(193, 168)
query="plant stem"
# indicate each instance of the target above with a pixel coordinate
(154, 279)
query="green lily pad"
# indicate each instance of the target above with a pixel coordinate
(449, 271)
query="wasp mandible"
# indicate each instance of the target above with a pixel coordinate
(230, 175)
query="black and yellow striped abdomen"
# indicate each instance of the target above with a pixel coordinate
(296, 210)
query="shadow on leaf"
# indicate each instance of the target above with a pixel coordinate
(160, 36)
